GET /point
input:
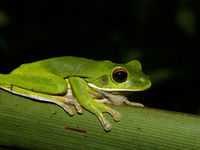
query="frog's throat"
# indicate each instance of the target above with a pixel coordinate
(112, 89)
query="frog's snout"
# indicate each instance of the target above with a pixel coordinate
(145, 81)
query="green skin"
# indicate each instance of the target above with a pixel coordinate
(81, 82)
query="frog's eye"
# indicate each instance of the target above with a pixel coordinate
(120, 75)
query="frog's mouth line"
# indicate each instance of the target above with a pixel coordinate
(112, 89)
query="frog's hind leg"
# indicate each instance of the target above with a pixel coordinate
(44, 82)
(63, 101)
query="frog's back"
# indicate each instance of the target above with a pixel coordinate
(64, 66)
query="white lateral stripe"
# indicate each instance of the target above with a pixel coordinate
(112, 89)
(29, 96)
(38, 98)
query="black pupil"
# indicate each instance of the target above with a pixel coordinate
(120, 76)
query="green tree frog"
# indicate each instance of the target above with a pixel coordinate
(74, 81)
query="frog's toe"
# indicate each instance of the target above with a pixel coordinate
(116, 116)
(72, 101)
(78, 107)
(69, 110)
(66, 107)
(127, 102)
(106, 125)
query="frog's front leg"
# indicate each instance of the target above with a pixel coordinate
(80, 89)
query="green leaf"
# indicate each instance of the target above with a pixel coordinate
(29, 124)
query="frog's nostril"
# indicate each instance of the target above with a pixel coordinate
(142, 79)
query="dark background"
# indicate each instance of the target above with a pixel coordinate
(163, 35)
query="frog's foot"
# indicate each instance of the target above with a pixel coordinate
(127, 102)
(68, 102)
(78, 107)
(66, 107)
(106, 125)
(98, 109)
(116, 115)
